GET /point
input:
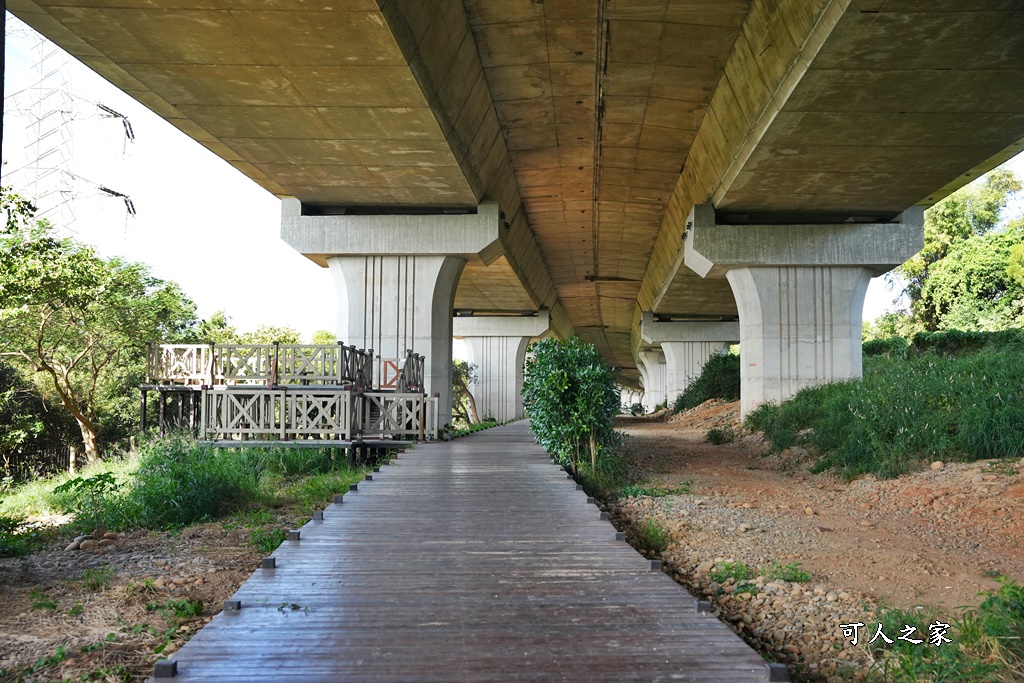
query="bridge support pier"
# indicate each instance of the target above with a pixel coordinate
(499, 346)
(800, 292)
(653, 371)
(687, 347)
(396, 277)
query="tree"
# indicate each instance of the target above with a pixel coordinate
(75, 319)
(463, 404)
(571, 397)
(973, 288)
(216, 329)
(324, 337)
(270, 334)
(970, 212)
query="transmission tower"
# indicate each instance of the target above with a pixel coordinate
(49, 109)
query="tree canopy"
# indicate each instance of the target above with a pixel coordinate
(77, 321)
(957, 228)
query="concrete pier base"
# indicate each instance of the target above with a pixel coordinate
(800, 293)
(396, 277)
(498, 345)
(687, 346)
(653, 371)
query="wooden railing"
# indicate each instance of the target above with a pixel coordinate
(281, 392)
(241, 413)
(266, 364)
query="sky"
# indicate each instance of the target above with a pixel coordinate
(199, 222)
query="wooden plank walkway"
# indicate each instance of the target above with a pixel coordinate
(474, 560)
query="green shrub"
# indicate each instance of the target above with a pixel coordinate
(888, 346)
(570, 394)
(785, 572)
(720, 435)
(719, 378)
(637, 409)
(15, 540)
(926, 406)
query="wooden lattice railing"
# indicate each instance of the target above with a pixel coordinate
(266, 364)
(239, 413)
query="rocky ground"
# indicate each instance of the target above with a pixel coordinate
(933, 539)
(936, 538)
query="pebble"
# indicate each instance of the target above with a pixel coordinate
(88, 544)
(938, 465)
(808, 511)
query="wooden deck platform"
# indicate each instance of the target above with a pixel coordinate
(473, 560)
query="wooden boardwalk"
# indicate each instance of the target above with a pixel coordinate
(474, 560)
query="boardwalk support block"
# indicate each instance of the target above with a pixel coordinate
(232, 605)
(591, 500)
(568, 476)
(269, 563)
(165, 669)
(703, 606)
(652, 565)
(318, 515)
(293, 535)
(579, 487)
(369, 477)
(339, 499)
(353, 487)
(777, 672)
(620, 535)
(604, 515)
(376, 469)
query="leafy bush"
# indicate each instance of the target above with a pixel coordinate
(14, 540)
(958, 342)
(720, 435)
(926, 406)
(785, 572)
(571, 397)
(889, 346)
(637, 409)
(267, 541)
(719, 378)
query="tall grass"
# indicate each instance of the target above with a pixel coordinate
(986, 644)
(937, 403)
(175, 482)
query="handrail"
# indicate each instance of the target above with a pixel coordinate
(266, 364)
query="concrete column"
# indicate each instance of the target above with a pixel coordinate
(653, 373)
(396, 277)
(687, 346)
(498, 345)
(800, 292)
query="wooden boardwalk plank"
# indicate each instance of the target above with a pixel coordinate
(473, 560)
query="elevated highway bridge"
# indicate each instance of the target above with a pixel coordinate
(660, 177)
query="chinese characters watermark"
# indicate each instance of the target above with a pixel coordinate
(936, 633)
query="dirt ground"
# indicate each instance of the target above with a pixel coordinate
(935, 538)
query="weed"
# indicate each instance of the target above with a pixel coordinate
(987, 643)
(719, 436)
(175, 611)
(745, 587)
(655, 538)
(267, 541)
(58, 656)
(785, 572)
(76, 610)
(96, 580)
(723, 571)
(40, 600)
(634, 490)
(15, 540)
(111, 638)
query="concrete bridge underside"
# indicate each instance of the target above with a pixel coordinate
(596, 126)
